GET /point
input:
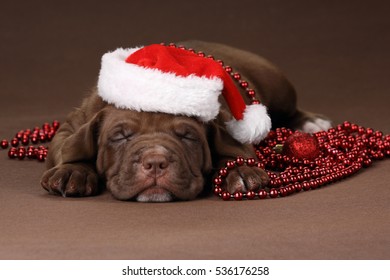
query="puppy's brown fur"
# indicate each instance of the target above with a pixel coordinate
(160, 157)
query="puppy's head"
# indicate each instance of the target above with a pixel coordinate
(151, 157)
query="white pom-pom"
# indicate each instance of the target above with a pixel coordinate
(253, 128)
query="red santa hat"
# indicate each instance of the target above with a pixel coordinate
(164, 79)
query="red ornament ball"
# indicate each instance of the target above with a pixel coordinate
(301, 145)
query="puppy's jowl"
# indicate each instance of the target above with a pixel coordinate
(162, 119)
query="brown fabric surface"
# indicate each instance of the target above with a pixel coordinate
(336, 53)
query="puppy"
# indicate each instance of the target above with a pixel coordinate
(148, 155)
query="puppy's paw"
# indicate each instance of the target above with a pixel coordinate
(70, 180)
(245, 178)
(316, 124)
(309, 122)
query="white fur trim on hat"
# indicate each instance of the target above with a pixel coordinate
(129, 86)
(253, 128)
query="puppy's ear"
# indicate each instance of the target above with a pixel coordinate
(82, 145)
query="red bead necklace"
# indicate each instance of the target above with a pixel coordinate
(294, 161)
(342, 151)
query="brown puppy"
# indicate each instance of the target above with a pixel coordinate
(159, 157)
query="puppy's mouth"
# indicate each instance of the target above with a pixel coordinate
(155, 194)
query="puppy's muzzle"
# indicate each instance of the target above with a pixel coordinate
(155, 164)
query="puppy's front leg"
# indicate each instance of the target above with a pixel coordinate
(71, 159)
(224, 148)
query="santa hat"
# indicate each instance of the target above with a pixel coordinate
(165, 79)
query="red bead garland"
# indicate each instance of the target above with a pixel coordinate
(343, 151)
(20, 149)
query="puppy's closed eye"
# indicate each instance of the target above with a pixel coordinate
(187, 134)
(121, 136)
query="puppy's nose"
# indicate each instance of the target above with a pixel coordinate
(155, 164)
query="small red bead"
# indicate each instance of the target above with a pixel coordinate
(230, 164)
(21, 154)
(367, 162)
(12, 153)
(34, 139)
(250, 162)
(283, 192)
(225, 195)
(220, 62)
(14, 142)
(262, 194)
(306, 186)
(228, 69)
(217, 190)
(237, 76)
(223, 172)
(251, 93)
(250, 195)
(244, 84)
(4, 144)
(218, 181)
(41, 157)
(56, 125)
(31, 154)
(46, 126)
(19, 135)
(25, 140)
(240, 160)
(273, 193)
(237, 195)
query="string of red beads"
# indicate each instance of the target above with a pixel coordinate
(344, 150)
(20, 148)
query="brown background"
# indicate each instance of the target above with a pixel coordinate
(337, 55)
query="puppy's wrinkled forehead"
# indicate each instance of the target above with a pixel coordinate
(147, 122)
